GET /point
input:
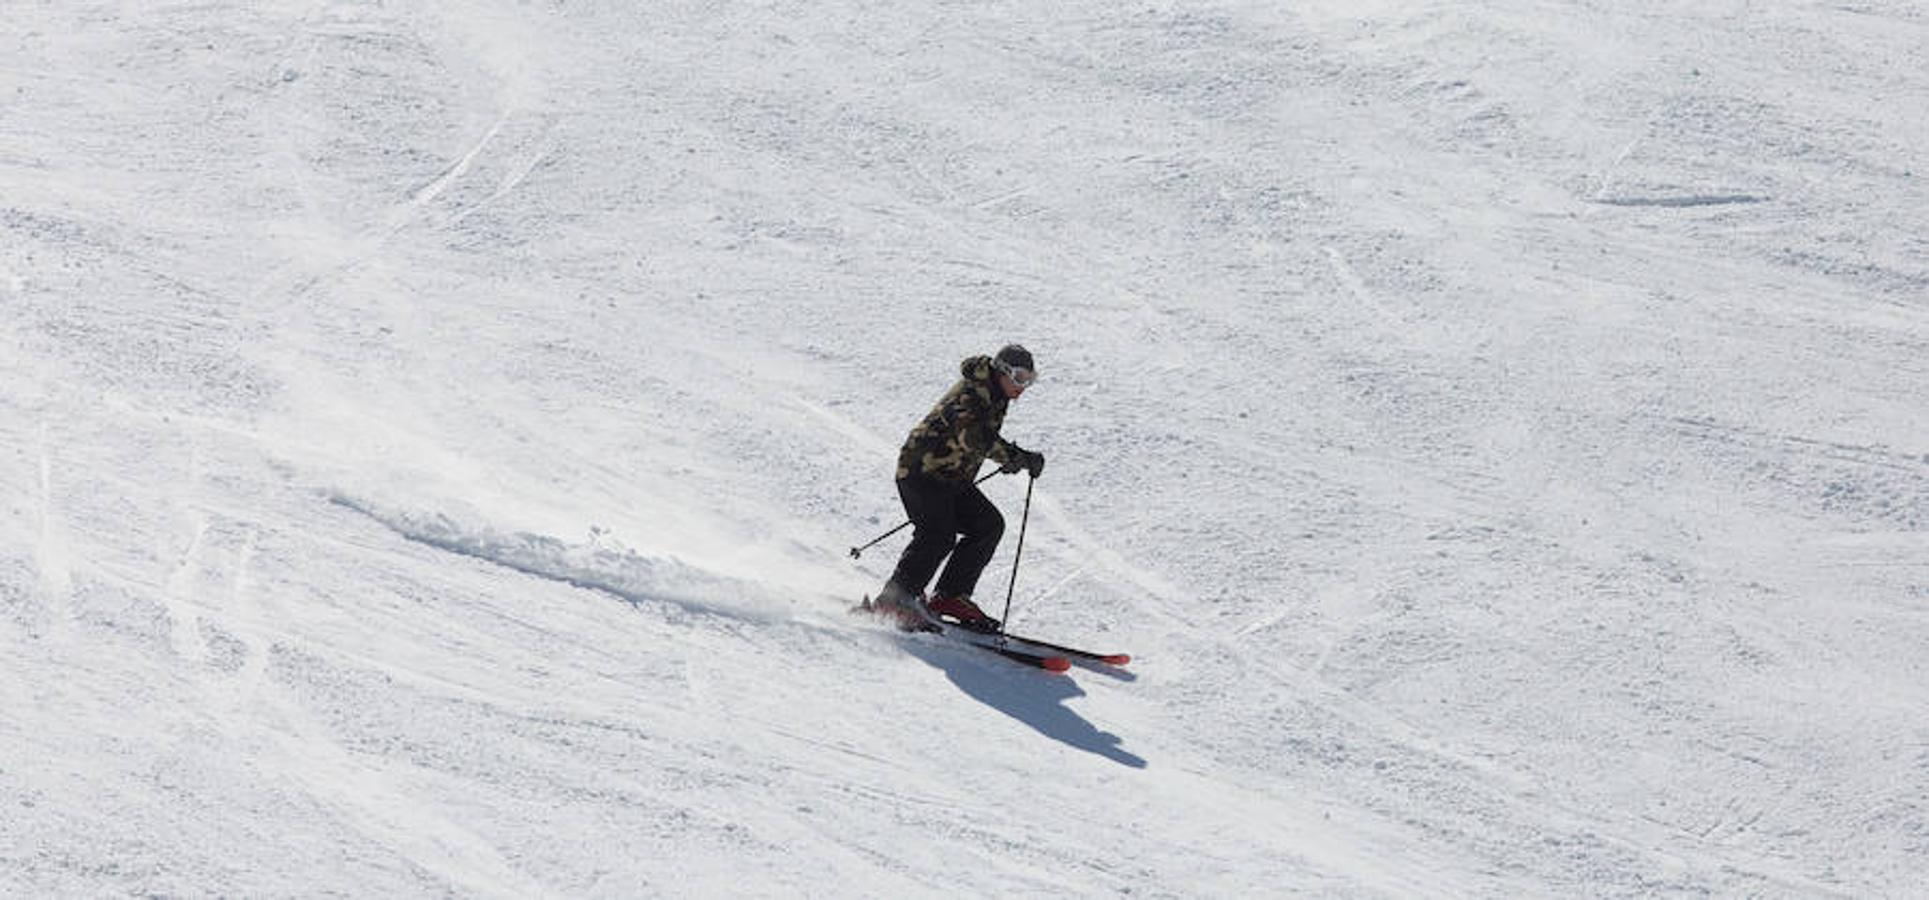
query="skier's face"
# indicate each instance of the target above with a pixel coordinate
(1013, 380)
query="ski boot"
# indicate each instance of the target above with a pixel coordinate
(899, 607)
(965, 613)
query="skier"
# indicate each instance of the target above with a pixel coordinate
(935, 475)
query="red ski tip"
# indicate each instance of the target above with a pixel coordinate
(1056, 664)
(1116, 659)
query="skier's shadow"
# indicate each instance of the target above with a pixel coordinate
(1033, 697)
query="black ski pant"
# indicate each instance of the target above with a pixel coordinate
(942, 512)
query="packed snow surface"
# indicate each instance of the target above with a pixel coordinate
(433, 435)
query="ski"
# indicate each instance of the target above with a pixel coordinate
(1110, 659)
(999, 644)
(1050, 662)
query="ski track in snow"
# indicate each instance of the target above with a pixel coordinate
(53, 557)
(435, 433)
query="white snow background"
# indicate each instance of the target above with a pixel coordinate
(431, 435)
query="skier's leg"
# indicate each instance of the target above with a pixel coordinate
(934, 521)
(982, 525)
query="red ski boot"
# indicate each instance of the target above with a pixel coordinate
(964, 612)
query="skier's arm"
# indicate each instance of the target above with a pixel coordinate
(967, 421)
(1004, 453)
(975, 437)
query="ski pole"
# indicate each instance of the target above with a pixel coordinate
(1019, 555)
(857, 552)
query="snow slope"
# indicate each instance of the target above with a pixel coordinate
(434, 432)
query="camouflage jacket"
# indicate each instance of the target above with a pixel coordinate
(961, 431)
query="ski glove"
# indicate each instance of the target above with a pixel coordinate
(1024, 461)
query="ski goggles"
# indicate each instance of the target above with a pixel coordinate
(1020, 376)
